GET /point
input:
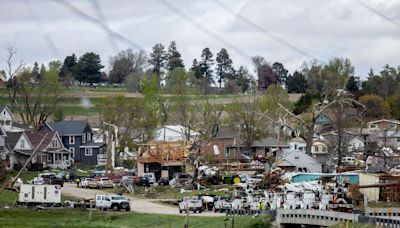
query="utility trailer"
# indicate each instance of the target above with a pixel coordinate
(47, 195)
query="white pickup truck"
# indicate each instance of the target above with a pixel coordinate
(114, 202)
(222, 204)
(191, 203)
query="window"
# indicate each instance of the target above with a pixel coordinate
(22, 144)
(83, 138)
(72, 140)
(54, 143)
(101, 150)
(72, 149)
(316, 148)
(89, 137)
(323, 149)
(88, 152)
(297, 157)
(392, 126)
(398, 139)
(373, 126)
(49, 157)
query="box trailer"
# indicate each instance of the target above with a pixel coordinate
(31, 194)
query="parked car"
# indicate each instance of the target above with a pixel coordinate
(98, 173)
(151, 177)
(129, 180)
(191, 203)
(163, 181)
(51, 178)
(114, 202)
(101, 182)
(144, 181)
(84, 183)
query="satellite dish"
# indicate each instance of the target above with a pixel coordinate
(216, 150)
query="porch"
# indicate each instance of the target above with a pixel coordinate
(59, 159)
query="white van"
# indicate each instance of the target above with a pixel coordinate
(151, 177)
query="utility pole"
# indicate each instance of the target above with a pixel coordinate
(112, 145)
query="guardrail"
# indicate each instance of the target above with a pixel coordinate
(313, 217)
(382, 212)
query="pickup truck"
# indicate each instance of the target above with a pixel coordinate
(222, 204)
(114, 202)
(101, 182)
(191, 203)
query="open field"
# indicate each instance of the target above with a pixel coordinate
(82, 102)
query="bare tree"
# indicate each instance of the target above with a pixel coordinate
(37, 99)
(12, 71)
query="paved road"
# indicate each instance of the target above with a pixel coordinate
(138, 205)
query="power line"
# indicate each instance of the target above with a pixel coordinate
(53, 48)
(94, 20)
(266, 32)
(203, 28)
(102, 17)
(378, 13)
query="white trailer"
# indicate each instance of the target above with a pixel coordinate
(31, 194)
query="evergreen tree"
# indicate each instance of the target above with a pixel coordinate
(224, 66)
(296, 83)
(88, 68)
(206, 65)
(69, 67)
(281, 72)
(42, 72)
(352, 85)
(196, 69)
(157, 60)
(174, 59)
(35, 72)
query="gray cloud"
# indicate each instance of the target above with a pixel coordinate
(322, 28)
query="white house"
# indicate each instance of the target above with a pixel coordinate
(297, 144)
(18, 147)
(319, 147)
(173, 133)
(355, 144)
(298, 161)
(6, 120)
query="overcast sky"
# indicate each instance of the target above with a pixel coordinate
(288, 31)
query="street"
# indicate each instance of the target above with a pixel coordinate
(137, 205)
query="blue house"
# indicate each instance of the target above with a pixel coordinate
(77, 136)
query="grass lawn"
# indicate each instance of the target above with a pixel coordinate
(7, 198)
(77, 218)
(25, 175)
